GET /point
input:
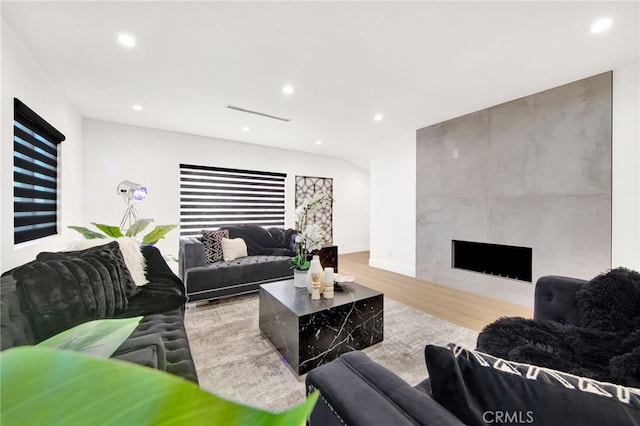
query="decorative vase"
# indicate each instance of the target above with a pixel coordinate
(315, 268)
(317, 286)
(299, 278)
(327, 280)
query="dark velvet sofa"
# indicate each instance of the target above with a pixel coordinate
(269, 251)
(159, 341)
(472, 387)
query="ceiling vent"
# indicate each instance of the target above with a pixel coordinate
(262, 114)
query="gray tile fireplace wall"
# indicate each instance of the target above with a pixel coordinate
(534, 172)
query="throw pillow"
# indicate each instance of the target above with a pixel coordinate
(131, 252)
(233, 248)
(481, 389)
(212, 244)
(110, 254)
(610, 301)
(58, 294)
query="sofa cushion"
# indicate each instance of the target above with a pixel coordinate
(480, 389)
(170, 327)
(233, 249)
(250, 269)
(58, 294)
(145, 349)
(212, 241)
(109, 254)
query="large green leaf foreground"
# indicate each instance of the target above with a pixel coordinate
(41, 385)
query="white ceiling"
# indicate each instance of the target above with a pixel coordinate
(417, 63)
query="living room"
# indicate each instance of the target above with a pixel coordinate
(155, 150)
(376, 190)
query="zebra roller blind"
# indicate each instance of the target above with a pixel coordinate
(211, 197)
(35, 175)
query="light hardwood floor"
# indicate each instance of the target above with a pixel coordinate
(459, 307)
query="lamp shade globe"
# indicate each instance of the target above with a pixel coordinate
(140, 193)
(132, 191)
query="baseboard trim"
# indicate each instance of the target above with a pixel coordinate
(393, 267)
(354, 249)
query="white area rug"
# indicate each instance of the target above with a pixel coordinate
(235, 361)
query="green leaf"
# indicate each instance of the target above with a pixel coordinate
(157, 233)
(299, 262)
(46, 386)
(138, 227)
(98, 338)
(87, 233)
(109, 230)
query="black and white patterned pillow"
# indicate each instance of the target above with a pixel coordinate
(479, 389)
(212, 245)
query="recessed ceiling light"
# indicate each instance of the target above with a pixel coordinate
(377, 117)
(137, 107)
(601, 25)
(126, 40)
(246, 128)
(318, 142)
(287, 90)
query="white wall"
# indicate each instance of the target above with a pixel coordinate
(114, 152)
(393, 205)
(24, 78)
(626, 168)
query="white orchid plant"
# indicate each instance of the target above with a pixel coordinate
(310, 235)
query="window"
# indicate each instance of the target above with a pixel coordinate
(212, 196)
(35, 175)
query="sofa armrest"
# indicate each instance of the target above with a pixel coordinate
(355, 390)
(147, 350)
(191, 254)
(555, 299)
(15, 326)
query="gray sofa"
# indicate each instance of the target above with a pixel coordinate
(475, 388)
(269, 251)
(34, 307)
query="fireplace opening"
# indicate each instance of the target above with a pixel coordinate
(494, 259)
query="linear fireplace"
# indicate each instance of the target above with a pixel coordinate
(494, 259)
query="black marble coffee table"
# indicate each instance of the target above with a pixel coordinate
(309, 333)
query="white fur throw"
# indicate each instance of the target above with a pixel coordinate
(130, 248)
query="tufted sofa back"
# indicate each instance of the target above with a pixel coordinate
(555, 299)
(264, 241)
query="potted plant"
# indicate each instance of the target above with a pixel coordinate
(310, 236)
(300, 266)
